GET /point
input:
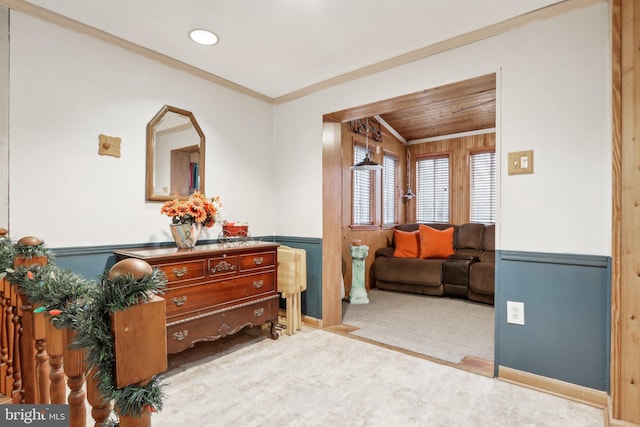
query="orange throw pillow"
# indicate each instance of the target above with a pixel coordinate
(407, 244)
(435, 243)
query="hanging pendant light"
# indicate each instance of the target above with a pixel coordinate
(409, 194)
(366, 164)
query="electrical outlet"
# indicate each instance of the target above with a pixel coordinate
(515, 312)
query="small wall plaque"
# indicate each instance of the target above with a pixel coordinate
(109, 145)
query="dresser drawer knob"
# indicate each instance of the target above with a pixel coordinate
(223, 266)
(258, 312)
(180, 335)
(179, 272)
(180, 300)
(258, 260)
(258, 284)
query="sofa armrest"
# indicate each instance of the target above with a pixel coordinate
(385, 252)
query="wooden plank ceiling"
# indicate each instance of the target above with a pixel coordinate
(469, 105)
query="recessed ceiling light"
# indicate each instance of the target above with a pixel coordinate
(203, 37)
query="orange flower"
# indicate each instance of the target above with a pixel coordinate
(196, 209)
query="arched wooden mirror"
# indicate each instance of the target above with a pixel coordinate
(175, 155)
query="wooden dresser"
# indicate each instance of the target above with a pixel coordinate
(215, 290)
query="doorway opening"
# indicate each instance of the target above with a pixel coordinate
(458, 119)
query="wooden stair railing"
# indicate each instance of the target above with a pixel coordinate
(35, 356)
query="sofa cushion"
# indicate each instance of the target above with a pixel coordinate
(470, 236)
(410, 226)
(413, 271)
(407, 244)
(489, 238)
(482, 278)
(435, 243)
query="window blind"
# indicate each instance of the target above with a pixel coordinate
(432, 189)
(482, 187)
(389, 174)
(362, 190)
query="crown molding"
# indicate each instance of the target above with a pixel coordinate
(443, 46)
(77, 26)
(415, 55)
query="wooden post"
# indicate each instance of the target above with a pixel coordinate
(42, 357)
(4, 339)
(101, 407)
(75, 368)
(139, 330)
(27, 352)
(9, 298)
(58, 389)
(27, 340)
(143, 420)
(17, 392)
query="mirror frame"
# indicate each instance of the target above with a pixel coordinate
(151, 144)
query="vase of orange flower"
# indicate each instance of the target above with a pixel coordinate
(189, 215)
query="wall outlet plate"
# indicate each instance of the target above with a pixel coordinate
(515, 313)
(520, 162)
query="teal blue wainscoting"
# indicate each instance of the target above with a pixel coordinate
(91, 262)
(311, 299)
(567, 305)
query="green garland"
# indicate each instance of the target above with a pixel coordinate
(32, 251)
(113, 295)
(74, 302)
(62, 294)
(7, 253)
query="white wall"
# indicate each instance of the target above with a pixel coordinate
(67, 88)
(554, 98)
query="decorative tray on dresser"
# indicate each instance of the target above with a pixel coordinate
(215, 290)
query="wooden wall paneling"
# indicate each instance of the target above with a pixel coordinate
(374, 236)
(627, 347)
(331, 237)
(616, 137)
(458, 150)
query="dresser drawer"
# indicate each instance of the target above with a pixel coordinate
(223, 266)
(181, 271)
(216, 324)
(257, 260)
(197, 297)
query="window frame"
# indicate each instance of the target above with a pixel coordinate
(471, 153)
(429, 156)
(396, 193)
(357, 142)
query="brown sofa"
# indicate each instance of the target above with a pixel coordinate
(468, 273)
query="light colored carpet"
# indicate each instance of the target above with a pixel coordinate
(318, 378)
(444, 328)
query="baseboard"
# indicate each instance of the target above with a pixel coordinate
(307, 320)
(567, 390)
